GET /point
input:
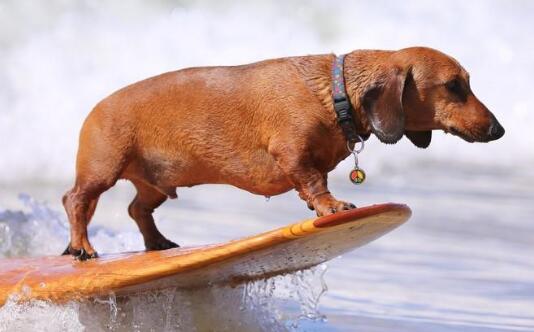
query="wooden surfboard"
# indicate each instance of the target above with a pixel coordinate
(287, 249)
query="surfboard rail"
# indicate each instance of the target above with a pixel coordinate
(286, 249)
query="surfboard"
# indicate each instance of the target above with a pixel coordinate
(294, 247)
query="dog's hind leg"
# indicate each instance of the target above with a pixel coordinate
(145, 202)
(102, 156)
(80, 204)
(89, 215)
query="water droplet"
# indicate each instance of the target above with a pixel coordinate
(267, 198)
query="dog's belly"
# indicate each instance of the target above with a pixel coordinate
(255, 172)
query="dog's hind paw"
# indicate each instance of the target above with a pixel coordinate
(79, 254)
(82, 255)
(160, 244)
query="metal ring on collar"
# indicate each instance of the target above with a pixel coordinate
(353, 150)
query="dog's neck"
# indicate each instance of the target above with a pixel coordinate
(358, 70)
(361, 69)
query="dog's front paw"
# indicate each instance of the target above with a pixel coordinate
(327, 204)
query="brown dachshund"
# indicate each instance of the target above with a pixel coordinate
(266, 127)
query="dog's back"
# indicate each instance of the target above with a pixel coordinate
(192, 126)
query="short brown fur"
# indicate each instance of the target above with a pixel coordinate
(266, 127)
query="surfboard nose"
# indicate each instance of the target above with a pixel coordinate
(399, 213)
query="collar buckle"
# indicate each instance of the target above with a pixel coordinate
(343, 110)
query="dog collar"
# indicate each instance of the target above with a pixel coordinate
(344, 114)
(342, 104)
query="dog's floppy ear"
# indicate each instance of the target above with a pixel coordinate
(382, 102)
(421, 139)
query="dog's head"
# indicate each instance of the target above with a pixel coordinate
(417, 90)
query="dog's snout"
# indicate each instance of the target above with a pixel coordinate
(496, 131)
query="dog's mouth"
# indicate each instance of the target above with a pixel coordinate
(456, 132)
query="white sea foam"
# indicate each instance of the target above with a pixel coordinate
(58, 60)
(39, 230)
(282, 303)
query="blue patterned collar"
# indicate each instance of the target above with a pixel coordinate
(342, 104)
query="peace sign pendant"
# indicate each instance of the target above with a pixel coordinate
(357, 175)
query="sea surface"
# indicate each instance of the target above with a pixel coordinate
(463, 262)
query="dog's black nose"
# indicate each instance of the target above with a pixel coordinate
(496, 131)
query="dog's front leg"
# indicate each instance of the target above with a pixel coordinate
(310, 183)
(313, 189)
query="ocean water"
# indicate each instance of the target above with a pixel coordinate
(462, 263)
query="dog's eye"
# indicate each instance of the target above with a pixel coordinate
(455, 87)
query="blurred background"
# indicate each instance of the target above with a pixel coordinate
(463, 262)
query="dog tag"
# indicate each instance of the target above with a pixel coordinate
(357, 175)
